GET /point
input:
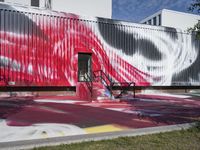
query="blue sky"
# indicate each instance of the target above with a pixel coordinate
(136, 10)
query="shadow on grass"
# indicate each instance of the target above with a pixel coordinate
(196, 127)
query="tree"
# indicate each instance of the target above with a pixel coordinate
(195, 6)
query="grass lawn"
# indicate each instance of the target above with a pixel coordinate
(185, 139)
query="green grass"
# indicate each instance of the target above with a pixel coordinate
(183, 140)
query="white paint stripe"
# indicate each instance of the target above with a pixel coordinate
(167, 94)
(36, 131)
(116, 109)
(58, 101)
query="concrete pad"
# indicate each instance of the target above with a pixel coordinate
(40, 118)
(29, 144)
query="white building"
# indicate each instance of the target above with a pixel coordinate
(34, 3)
(170, 18)
(99, 8)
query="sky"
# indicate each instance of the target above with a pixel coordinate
(136, 10)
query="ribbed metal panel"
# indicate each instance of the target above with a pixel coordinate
(41, 49)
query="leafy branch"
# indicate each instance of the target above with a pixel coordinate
(195, 6)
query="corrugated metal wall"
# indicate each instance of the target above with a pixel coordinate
(42, 49)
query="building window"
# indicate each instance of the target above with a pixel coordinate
(149, 21)
(159, 20)
(154, 21)
(48, 4)
(35, 3)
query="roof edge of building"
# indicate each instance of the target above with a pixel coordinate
(166, 10)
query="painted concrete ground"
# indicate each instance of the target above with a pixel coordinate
(24, 118)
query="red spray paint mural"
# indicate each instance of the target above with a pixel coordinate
(39, 48)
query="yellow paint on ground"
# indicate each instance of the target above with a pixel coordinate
(61, 133)
(44, 134)
(105, 128)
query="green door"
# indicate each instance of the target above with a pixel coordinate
(84, 67)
